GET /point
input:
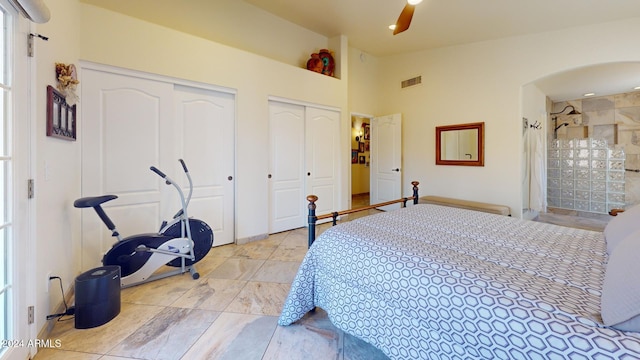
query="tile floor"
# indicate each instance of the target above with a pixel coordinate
(231, 312)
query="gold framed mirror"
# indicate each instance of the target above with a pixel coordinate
(461, 144)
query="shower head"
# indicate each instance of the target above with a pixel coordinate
(572, 112)
(561, 125)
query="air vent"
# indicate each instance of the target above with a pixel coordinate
(411, 82)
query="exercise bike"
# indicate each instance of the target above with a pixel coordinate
(181, 242)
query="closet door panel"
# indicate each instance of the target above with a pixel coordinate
(206, 119)
(323, 157)
(286, 167)
(130, 119)
(125, 123)
(305, 160)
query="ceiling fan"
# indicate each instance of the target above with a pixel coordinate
(404, 20)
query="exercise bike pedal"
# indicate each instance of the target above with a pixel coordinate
(144, 248)
(178, 246)
(125, 258)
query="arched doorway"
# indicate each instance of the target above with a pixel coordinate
(560, 104)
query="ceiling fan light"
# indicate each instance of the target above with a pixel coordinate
(414, 2)
(392, 27)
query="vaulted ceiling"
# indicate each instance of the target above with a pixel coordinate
(436, 23)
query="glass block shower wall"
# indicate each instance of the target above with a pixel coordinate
(585, 175)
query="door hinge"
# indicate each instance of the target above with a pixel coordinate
(30, 314)
(30, 45)
(30, 188)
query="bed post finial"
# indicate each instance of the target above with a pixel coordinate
(415, 191)
(312, 218)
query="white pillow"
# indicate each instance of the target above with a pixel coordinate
(620, 303)
(620, 226)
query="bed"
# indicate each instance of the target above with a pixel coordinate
(434, 282)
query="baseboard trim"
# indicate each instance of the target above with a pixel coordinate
(246, 240)
(48, 327)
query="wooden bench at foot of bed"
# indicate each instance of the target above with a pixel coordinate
(466, 204)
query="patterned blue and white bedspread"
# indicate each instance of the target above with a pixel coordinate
(429, 282)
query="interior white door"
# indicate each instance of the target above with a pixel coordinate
(206, 121)
(322, 143)
(126, 129)
(286, 167)
(386, 159)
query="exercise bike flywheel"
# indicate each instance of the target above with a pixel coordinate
(126, 254)
(202, 237)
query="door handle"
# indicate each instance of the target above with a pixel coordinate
(396, 169)
(269, 176)
(230, 178)
(308, 174)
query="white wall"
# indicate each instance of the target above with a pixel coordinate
(56, 166)
(534, 109)
(482, 82)
(364, 82)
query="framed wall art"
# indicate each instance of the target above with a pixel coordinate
(367, 131)
(61, 117)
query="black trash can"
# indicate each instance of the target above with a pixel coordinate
(97, 296)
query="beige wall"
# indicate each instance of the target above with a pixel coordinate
(56, 165)
(484, 82)
(364, 82)
(469, 83)
(534, 112)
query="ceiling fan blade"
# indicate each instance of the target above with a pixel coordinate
(404, 20)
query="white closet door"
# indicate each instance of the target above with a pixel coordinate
(305, 160)
(130, 123)
(322, 145)
(286, 167)
(206, 124)
(126, 128)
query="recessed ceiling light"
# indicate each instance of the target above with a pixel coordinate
(589, 94)
(392, 27)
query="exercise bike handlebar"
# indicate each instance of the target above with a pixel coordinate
(160, 173)
(185, 202)
(186, 172)
(184, 166)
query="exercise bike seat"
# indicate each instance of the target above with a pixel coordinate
(93, 201)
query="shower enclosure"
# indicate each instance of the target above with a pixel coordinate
(585, 175)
